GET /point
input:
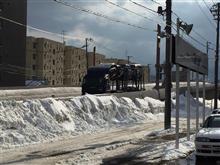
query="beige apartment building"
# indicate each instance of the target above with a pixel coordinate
(74, 66)
(97, 59)
(57, 64)
(45, 61)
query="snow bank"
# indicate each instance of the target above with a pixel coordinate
(193, 103)
(185, 148)
(38, 120)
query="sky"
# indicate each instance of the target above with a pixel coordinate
(116, 39)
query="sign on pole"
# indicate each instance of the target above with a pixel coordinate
(190, 57)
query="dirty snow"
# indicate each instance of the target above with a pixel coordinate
(39, 120)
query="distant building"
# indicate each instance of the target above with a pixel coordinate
(99, 58)
(12, 42)
(74, 66)
(45, 61)
(116, 61)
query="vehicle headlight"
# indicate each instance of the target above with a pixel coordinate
(202, 139)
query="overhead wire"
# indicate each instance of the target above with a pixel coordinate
(53, 33)
(149, 9)
(130, 11)
(204, 13)
(102, 15)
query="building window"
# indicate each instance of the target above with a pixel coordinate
(79, 66)
(54, 51)
(33, 67)
(53, 82)
(34, 56)
(45, 66)
(34, 45)
(53, 62)
(53, 72)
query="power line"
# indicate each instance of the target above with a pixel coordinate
(102, 15)
(52, 33)
(206, 4)
(112, 3)
(204, 13)
(149, 9)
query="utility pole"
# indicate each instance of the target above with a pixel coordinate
(87, 56)
(129, 59)
(94, 57)
(63, 37)
(148, 79)
(215, 10)
(167, 116)
(158, 58)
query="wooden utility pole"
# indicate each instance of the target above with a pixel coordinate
(167, 116)
(94, 57)
(158, 58)
(87, 58)
(215, 10)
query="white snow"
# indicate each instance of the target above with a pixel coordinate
(193, 103)
(39, 120)
(185, 148)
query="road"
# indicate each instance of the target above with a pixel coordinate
(89, 148)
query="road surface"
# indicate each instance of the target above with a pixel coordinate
(97, 148)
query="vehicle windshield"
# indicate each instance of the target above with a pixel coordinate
(212, 122)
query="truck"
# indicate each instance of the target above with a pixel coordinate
(113, 78)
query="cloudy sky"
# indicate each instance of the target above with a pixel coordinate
(115, 39)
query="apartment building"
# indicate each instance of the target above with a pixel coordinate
(45, 61)
(12, 42)
(96, 59)
(74, 66)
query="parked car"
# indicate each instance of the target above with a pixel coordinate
(207, 141)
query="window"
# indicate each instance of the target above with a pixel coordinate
(53, 82)
(34, 45)
(79, 66)
(34, 56)
(53, 72)
(33, 67)
(53, 62)
(54, 51)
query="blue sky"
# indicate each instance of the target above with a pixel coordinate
(113, 39)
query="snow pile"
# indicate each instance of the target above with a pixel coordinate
(193, 103)
(38, 120)
(185, 148)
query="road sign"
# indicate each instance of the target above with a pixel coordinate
(189, 57)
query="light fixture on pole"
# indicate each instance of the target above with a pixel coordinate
(186, 27)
